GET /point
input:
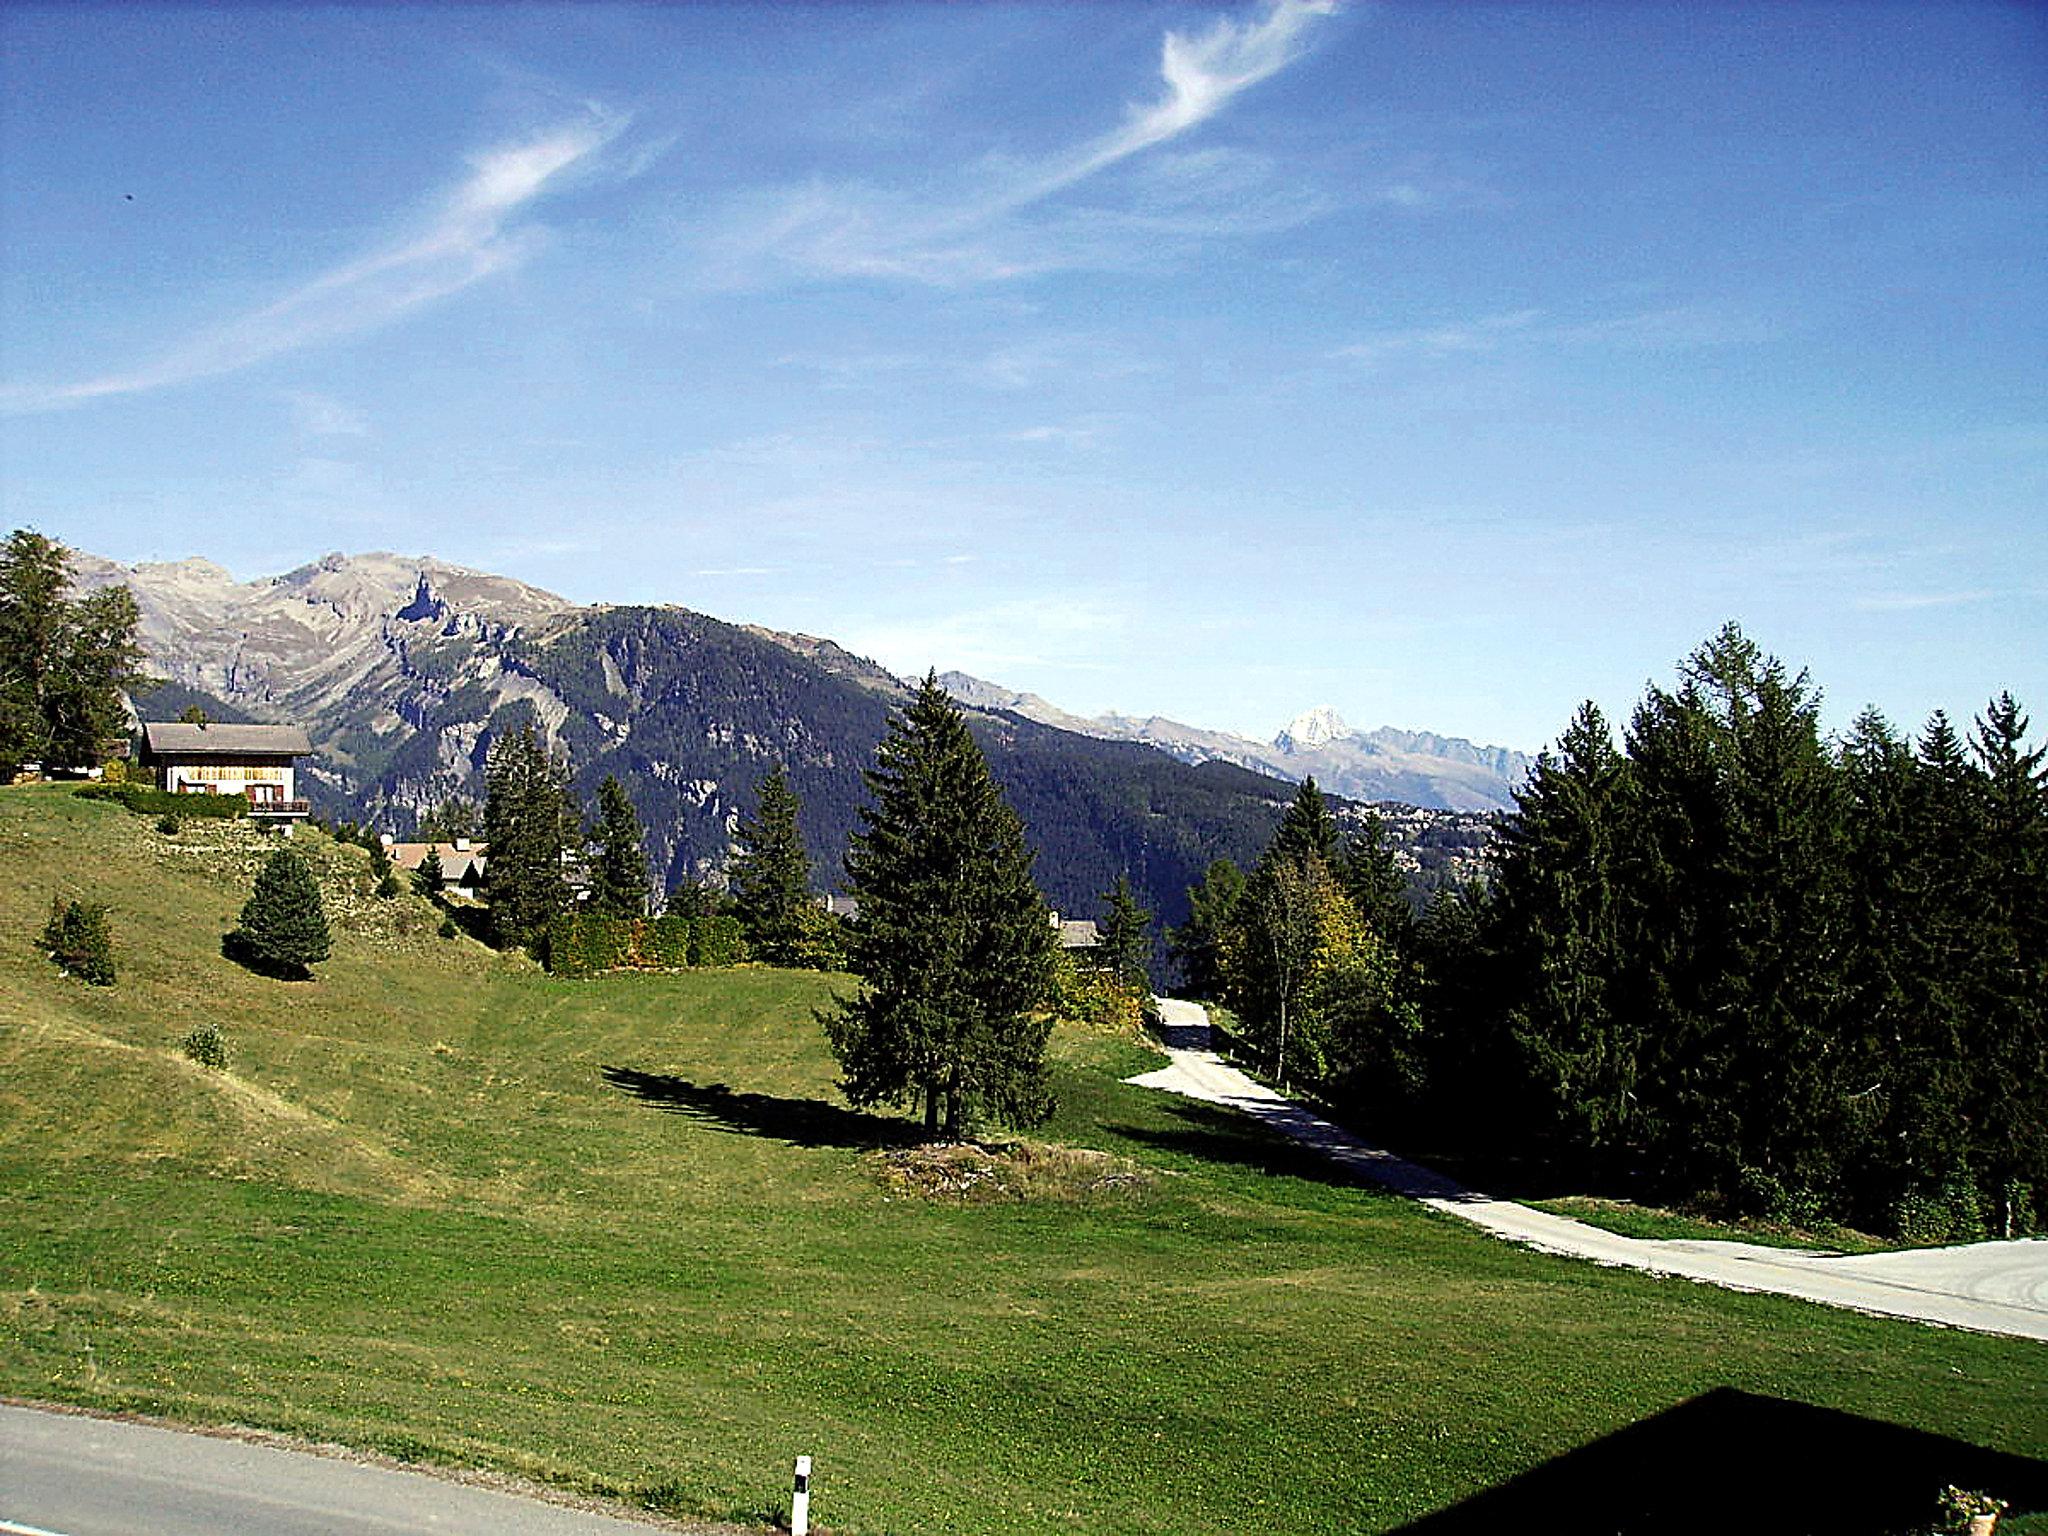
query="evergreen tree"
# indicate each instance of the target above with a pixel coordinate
(80, 939)
(430, 876)
(2008, 1045)
(771, 875)
(618, 881)
(1127, 937)
(1306, 827)
(1202, 944)
(954, 945)
(284, 922)
(527, 817)
(1556, 910)
(1367, 871)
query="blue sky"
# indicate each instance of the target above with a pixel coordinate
(1444, 364)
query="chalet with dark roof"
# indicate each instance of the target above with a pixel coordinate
(258, 762)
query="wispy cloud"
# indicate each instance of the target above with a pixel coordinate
(1077, 632)
(981, 233)
(470, 234)
(1910, 602)
(1672, 328)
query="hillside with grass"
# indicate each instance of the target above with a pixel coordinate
(624, 1237)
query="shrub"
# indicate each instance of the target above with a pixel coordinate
(665, 944)
(207, 1044)
(144, 800)
(590, 943)
(387, 888)
(80, 939)
(716, 939)
(447, 930)
(170, 826)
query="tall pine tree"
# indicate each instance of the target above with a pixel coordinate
(771, 874)
(1127, 936)
(618, 876)
(954, 946)
(529, 821)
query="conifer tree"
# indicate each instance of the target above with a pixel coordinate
(430, 876)
(527, 819)
(954, 945)
(1556, 908)
(771, 874)
(2009, 1042)
(618, 880)
(1203, 943)
(1127, 937)
(1367, 871)
(284, 922)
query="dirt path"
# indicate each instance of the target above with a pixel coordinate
(1989, 1287)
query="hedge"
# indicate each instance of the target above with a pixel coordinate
(590, 943)
(146, 801)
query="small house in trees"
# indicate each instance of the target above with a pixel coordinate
(1078, 933)
(258, 762)
(847, 907)
(462, 862)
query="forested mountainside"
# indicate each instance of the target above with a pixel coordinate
(403, 670)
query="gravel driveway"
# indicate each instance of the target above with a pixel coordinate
(1989, 1287)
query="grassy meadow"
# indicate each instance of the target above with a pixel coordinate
(622, 1236)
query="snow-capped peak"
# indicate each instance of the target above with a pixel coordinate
(1317, 728)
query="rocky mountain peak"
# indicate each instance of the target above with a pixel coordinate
(1316, 728)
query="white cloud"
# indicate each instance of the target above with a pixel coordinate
(467, 237)
(1072, 632)
(980, 234)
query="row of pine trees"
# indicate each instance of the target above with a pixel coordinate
(1727, 961)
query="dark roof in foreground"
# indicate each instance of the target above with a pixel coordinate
(176, 736)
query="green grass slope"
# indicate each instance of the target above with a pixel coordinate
(622, 1235)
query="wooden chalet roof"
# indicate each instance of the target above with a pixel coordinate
(177, 738)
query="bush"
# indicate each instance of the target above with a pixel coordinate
(207, 1044)
(80, 939)
(387, 888)
(447, 930)
(146, 801)
(170, 826)
(716, 939)
(590, 943)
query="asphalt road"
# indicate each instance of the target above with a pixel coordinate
(67, 1474)
(1989, 1287)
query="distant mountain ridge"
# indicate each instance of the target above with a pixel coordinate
(403, 670)
(1418, 768)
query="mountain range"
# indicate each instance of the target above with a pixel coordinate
(1416, 768)
(403, 669)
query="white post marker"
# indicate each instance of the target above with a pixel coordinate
(800, 1500)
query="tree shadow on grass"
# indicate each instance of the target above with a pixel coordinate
(1214, 1134)
(236, 946)
(799, 1122)
(1736, 1461)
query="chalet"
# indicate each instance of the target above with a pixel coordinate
(1077, 933)
(258, 762)
(839, 906)
(462, 862)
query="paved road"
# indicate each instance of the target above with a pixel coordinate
(68, 1474)
(1989, 1287)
